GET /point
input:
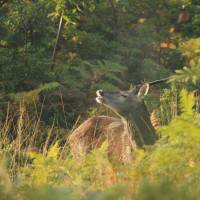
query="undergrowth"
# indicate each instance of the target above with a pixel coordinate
(170, 169)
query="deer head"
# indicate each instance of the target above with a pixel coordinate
(123, 102)
(130, 106)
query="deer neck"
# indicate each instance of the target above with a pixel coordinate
(132, 130)
(140, 129)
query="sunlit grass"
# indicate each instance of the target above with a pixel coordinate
(36, 162)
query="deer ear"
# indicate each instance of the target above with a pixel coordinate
(131, 86)
(133, 90)
(143, 90)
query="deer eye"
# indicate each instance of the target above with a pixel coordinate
(123, 95)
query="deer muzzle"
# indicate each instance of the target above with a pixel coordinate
(99, 98)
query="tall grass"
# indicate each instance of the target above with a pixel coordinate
(36, 163)
(22, 131)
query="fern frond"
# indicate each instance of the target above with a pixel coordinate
(34, 94)
(189, 74)
(187, 102)
(53, 151)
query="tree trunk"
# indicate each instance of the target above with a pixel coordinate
(56, 43)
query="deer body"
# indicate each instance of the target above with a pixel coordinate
(96, 130)
(132, 130)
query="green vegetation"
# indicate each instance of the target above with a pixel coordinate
(48, 78)
(169, 168)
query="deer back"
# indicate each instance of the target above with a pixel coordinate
(94, 131)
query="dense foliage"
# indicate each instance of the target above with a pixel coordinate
(169, 168)
(107, 44)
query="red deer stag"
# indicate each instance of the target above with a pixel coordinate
(133, 129)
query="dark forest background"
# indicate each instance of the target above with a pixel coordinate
(101, 44)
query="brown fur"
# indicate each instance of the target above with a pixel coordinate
(94, 131)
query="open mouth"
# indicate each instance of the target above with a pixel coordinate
(99, 98)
